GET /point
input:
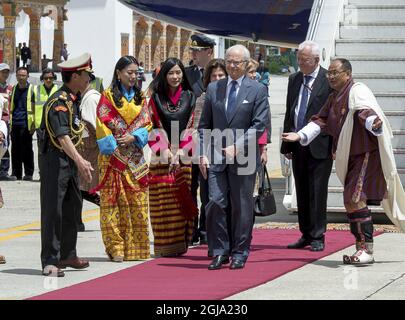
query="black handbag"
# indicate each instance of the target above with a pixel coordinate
(264, 202)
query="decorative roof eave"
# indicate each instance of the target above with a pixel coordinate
(12, 8)
(40, 2)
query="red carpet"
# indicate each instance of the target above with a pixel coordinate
(187, 277)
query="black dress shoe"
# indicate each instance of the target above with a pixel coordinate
(237, 264)
(217, 262)
(27, 178)
(317, 245)
(301, 243)
(8, 178)
(81, 227)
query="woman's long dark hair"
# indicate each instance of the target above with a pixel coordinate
(122, 63)
(160, 85)
(213, 64)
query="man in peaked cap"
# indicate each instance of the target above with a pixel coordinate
(61, 201)
(202, 51)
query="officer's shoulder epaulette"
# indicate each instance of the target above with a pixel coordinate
(63, 96)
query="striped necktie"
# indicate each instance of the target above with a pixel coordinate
(306, 92)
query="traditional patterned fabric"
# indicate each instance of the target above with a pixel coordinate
(112, 123)
(171, 229)
(123, 175)
(364, 183)
(172, 232)
(124, 223)
(89, 151)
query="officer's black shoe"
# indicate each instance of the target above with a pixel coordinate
(301, 243)
(8, 178)
(27, 178)
(218, 261)
(81, 227)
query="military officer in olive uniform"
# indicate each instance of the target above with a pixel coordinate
(202, 51)
(61, 201)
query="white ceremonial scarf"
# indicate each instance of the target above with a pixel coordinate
(361, 98)
(88, 108)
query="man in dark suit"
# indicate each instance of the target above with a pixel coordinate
(308, 90)
(235, 114)
(202, 51)
(25, 54)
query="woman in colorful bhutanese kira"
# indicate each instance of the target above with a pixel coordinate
(122, 128)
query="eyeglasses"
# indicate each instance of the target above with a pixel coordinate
(235, 63)
(333, 74)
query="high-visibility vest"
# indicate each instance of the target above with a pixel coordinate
(97, 84)
(40, 98)
(30, 111)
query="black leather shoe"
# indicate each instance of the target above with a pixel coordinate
(27, 178)
(237, 264)
(81, 227)
(317, 245)
(8, 178)
(217, 262)
(301, 243)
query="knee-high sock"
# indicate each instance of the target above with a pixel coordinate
(361, 225)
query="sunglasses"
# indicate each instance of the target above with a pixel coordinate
(48, 78)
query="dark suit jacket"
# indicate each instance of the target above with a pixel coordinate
(320, 147)
(194, 77)
(251, 115)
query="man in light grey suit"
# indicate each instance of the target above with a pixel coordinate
(235, 114)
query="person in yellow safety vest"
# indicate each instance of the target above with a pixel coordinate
(22, 126)
(97, 84)
(42, 92)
